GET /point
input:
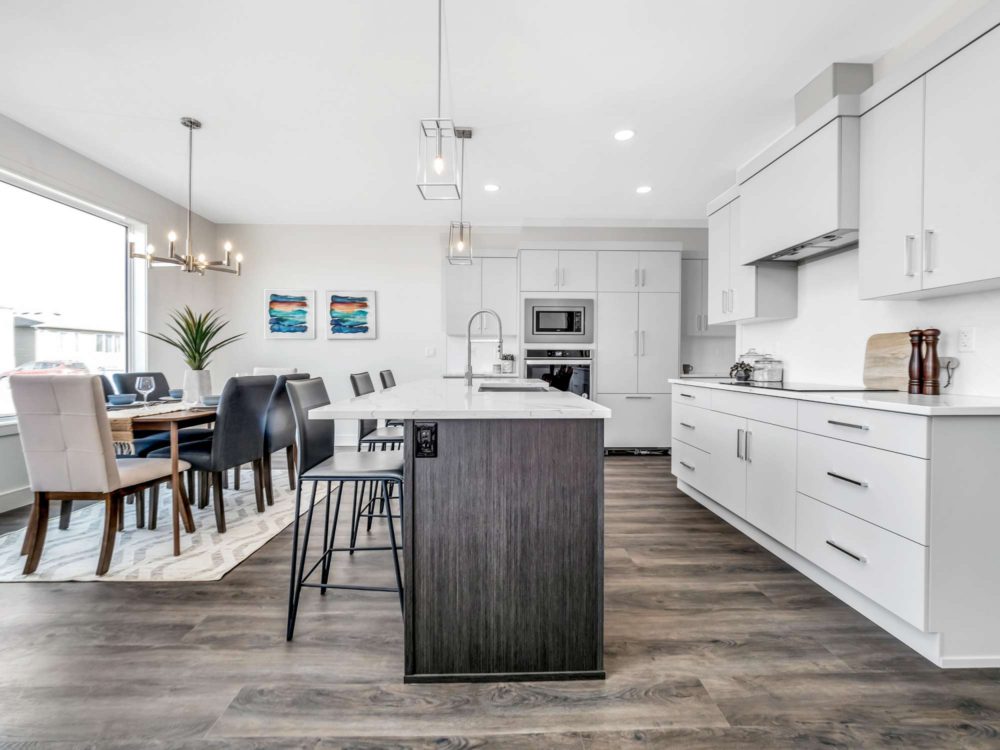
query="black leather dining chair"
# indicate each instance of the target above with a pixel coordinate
(125, 383)
(238, 439)
(147, 442)
(279, 432)
(318, 463)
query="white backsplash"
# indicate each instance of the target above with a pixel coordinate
(484, 354)
(709, 356)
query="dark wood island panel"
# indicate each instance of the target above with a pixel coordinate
(504, 551)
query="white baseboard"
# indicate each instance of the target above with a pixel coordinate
(928, 645)
(15, 499)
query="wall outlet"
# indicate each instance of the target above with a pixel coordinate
(967, 339)
(429, 351)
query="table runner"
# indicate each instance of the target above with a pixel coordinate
(121, 423)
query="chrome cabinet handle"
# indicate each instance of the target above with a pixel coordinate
(686, 395)
(642, 339)
(635, 343)
(746, 446)
(928, 245)
(555, 272)
(723, 300)
(860, 558)
(635, 277)
(564, 277)
(687, 466)
(847, 424)
(842, 478)
(689, 426)
(732, 300)
(641, 398)
(642, 277)
(739, 444)
(908, 254)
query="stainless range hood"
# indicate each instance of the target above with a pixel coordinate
(842, 239)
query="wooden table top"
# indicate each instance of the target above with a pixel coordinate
(185, 416)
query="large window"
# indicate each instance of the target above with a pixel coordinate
(63, 289)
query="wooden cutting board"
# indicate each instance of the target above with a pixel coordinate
(887, 361)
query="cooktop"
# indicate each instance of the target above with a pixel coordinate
(805, 387)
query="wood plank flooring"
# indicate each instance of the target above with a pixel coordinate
(711, 642)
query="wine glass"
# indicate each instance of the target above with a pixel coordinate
(145, 386)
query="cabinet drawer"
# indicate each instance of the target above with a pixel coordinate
(888, 489)
(686, 394)
(691, 424)
(770, 409)
(902, 433)
(691, 465)
(639, 420)
(885, 567)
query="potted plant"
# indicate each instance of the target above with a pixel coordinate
(741, 371)
(194, 335)
(507, 363)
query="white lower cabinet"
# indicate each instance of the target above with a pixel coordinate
(883, 566)
(769, 452)
(638, 420)
(726, 435)
(692, 465)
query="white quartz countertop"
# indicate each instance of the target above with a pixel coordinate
(443, 398)
(927, 406)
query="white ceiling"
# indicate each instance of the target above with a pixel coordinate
(311, 106)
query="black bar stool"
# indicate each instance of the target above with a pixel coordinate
(389, 381)
(318, 463)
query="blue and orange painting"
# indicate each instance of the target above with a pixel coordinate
(287, 313)
(349, 314)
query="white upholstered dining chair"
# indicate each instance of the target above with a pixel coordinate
(66, 437)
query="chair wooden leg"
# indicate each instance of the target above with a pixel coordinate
(225, 480)
(30, 528)
(203, 478)
(292, 459)
(217, 500)
(120, 507)
(154, 505)
(36, 532)
(65, 511)
(113, 506)
(258, 483)
(140, 509)
(268, 480)
(236, 477)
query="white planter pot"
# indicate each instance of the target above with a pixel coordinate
(197, 384)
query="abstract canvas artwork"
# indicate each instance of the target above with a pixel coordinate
(291, 313)
(350, 315)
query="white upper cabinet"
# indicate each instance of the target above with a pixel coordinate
(638, 271)
(577, 271)
(558, 270)
(891, 236)
(744, 293)
(540, 270)
(486, 282)
(463, 296)
(659, 272)
(500, 294)
(694, 301)
(809, 191)
(617, 271)
(961, 240)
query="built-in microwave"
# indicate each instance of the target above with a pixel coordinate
(559, 321)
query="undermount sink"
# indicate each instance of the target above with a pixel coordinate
(498, 388)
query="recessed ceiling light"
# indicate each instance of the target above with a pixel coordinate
(643, 189)
(624, 135)
(491, 188)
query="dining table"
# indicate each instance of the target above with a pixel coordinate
(173, 421)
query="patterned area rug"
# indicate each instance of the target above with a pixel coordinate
(144, 555)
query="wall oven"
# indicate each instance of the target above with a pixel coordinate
(564, 369)
(559, 321)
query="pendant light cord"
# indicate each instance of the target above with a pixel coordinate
(190, 169)
(440, 23)
(461, 194)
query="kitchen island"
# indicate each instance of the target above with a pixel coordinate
(503, 528)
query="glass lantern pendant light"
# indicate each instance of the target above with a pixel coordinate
(188, 262)
(438, 171)
(460, 232)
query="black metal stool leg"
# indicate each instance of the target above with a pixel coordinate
(328, 562)
(298, 574)
(355, 518)
(395, 557)
(326, 527)
(289, 625)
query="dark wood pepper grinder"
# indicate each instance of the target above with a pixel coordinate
(916, 362)
(932, 365)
